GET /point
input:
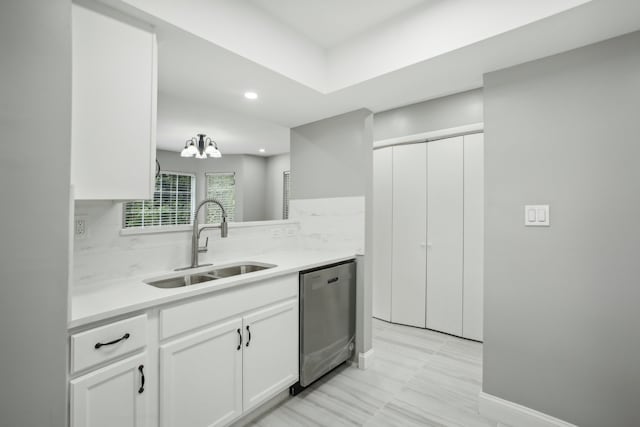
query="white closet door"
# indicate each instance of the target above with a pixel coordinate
(409, 234)
(473, 236)
(445, 235)
(382, 231)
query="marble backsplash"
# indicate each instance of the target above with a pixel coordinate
(331, 223)
(106, 254)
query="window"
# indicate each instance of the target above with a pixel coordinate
(222, 187)
(286, 181)
(173, 203)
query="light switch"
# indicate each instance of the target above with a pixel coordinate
(541, 215)
(536, 216)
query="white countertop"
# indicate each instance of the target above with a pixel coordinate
(109, 299)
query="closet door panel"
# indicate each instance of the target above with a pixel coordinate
(409, 235)
(382, 231)
(445, 235)
(473, 236)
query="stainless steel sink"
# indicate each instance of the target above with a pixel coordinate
(207, 276)
(234, 270)
(176, 282)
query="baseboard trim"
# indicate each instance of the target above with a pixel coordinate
(261, 409)
(512, 414)
(364, 359)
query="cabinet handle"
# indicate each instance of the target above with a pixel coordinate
(249, 340)
(240, 337)
(141, 369)
(100, 344)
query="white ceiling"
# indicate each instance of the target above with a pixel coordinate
(330, 22)
(212, 51)
(181, 119)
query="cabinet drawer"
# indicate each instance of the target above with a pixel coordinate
(231, 302)
(107, 342)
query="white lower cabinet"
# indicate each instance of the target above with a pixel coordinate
(199, 363)
(270, 354)
(209, 378)
(111, 396)
(201, 377)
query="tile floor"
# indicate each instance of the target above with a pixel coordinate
(417, 378)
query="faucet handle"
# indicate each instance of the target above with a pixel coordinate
(205, 247)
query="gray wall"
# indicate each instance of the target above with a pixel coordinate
(562, 323)
(276, 166)
(328, 157)
(250, 179)
(35, 128)
(255, 188)
(333, 158)
(441, 113)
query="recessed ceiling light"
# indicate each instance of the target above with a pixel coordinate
(251, 95)
(261, 150)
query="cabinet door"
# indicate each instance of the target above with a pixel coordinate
(444, 235)
(409, 234)
(111, 396)
(201, 377)
(113, 107)
(473, 236)
(270, 352)
(382, 231)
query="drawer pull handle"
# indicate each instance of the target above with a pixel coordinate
(100, 344)
(240, 337)
(249, 340)
(334, 280)
(141, 369)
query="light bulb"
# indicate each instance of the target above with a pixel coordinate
(185, 152)
(192, 148)
(216, 153)
(210, 149)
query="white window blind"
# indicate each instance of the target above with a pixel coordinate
(222, 187)
(286, 181)
(173, 203)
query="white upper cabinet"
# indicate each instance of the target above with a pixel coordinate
(114, 88)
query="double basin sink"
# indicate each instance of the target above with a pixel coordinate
(207, 276)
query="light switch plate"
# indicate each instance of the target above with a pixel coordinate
(536, 216)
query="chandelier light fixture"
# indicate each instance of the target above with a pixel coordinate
(201, 147)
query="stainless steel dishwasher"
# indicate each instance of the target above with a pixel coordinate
(327, 320)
